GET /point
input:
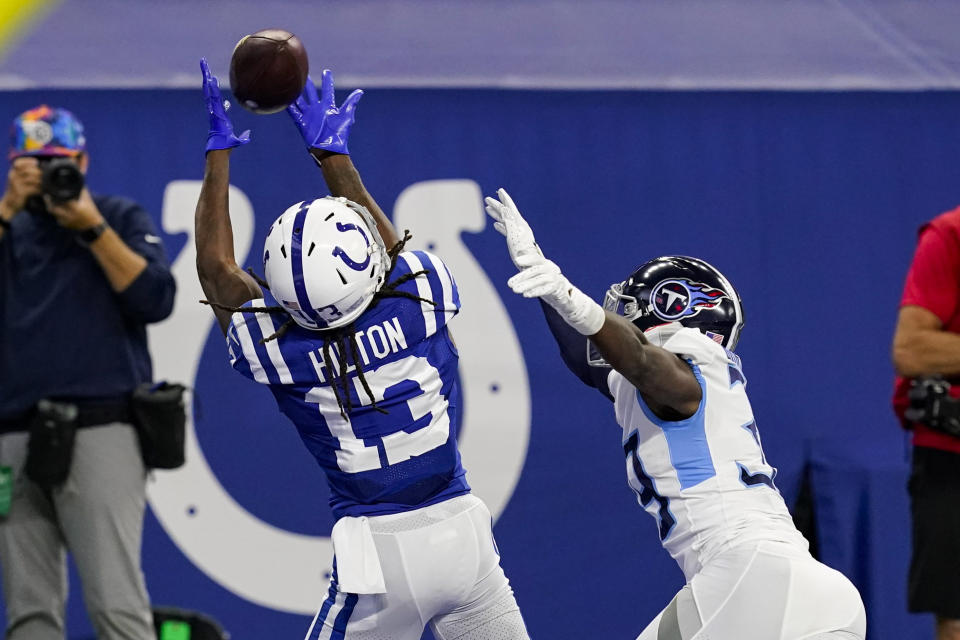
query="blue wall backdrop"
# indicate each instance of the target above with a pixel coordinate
(808, 202)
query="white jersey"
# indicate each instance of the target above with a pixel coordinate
(705, 479)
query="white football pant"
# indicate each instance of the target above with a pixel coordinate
(440, 567)
(770, 591)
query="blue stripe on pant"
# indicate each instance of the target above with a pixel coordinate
(325, 608)
(340, 624)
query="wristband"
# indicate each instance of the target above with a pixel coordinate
(89, 236)
(4, 224)
(578, 310)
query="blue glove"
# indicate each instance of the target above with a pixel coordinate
(221, 131)
(321, 123)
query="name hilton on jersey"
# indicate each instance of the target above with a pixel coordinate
(379, 340)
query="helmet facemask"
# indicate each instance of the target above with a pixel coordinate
(615, 301)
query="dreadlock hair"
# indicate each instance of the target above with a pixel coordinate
(342, 338)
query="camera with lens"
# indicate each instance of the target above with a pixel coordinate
(932, 405)
(62, 180)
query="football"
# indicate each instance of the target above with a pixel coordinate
(268, 70)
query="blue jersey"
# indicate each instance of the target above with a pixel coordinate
(376, 463)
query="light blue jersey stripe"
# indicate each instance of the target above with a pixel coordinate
(687, 440)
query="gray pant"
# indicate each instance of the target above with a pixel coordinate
(98, 516)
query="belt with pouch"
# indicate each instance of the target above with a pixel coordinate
(91, 412)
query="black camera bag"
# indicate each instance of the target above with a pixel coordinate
(53, 430)
(160, 417)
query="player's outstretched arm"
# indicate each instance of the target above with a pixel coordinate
(573, 351)
(222, 280)
(325, 129)
(666, 382)
(343, 179)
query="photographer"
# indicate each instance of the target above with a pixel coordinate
(926, 354)
(80, 277)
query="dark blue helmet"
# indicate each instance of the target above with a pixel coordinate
(679, 289)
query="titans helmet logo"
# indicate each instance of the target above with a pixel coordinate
(678, 298)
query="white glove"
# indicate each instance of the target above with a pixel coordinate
(509, 222)
(539, 277)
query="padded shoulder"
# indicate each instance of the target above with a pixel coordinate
(692, 345)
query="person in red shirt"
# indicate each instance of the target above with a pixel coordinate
(927, 343)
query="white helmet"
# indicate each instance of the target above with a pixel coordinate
(323, 261)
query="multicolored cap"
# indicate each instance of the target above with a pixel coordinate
(45, 131)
